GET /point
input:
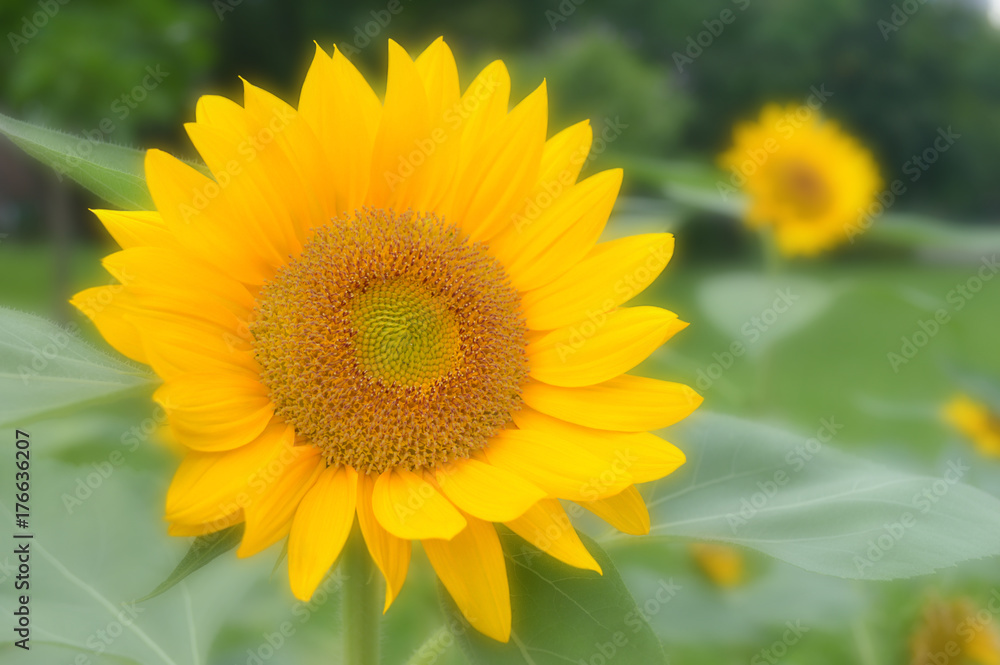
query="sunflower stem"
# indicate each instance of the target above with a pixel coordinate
(362, 610)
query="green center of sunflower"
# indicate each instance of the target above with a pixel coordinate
(392, 341)
(405, 334)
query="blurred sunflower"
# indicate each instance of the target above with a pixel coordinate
(804, 177)
(397, 310)
(976, 421)
(722, 564)
(955, 632)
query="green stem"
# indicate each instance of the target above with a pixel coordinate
(362, 609)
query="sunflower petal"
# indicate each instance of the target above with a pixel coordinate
(646, 456)
(410, 507)
(547, 526)
(136, 228)
(486, 491)
(625, 403)
(391, 554)
(597, 350)
(320, 528)
(209, 487)
(625, 511)
(613, 273)
(472, 568)
(271, 508)
(557, 465)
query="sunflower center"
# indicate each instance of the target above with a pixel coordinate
(392, 341)
(806, 189)
(405, 334)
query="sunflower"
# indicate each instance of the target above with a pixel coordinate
(397, 312)
(976, 421)
(955, 632)
(805, 178)
(722, 564)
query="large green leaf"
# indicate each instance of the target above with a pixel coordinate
(799, 500)
(113, 172)
(564, 615)
(46, 368)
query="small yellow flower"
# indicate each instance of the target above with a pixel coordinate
(722, 564)
(955, 632)
(976, 421)
(395, 310)
(804, 177)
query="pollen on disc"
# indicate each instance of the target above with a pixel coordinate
(392, 341)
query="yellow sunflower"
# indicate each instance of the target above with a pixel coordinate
(804, 177)
(722, 564)
(956, 632)
(976, 421)
(396, 310)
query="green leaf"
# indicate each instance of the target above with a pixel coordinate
(692, 184)
(938, 235)
(113, 172)
(563, 615)
(46, 368)
(759, 310)
(203, 550)
(797, 499)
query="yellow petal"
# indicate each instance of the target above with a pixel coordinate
(494, 185)
(557, 465)
(344, 113)
(410, 507)
(552, 238)
(564, 156)
(209, 487)
(625, 511)
(481, 110)
(613, 273)
(472, 567)
(273, 501)
(215, 412)
(486, 491)
(391, 554)
(547, 526)
(401, 149)
(196, 210)
(439, 73)
(320, 528)
(626, 403)
(646, 456)
(102, 305)
(288, 141)
(596, 350)
(135, 228)
(182, 530)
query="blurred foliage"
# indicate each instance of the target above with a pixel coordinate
(111, 67)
